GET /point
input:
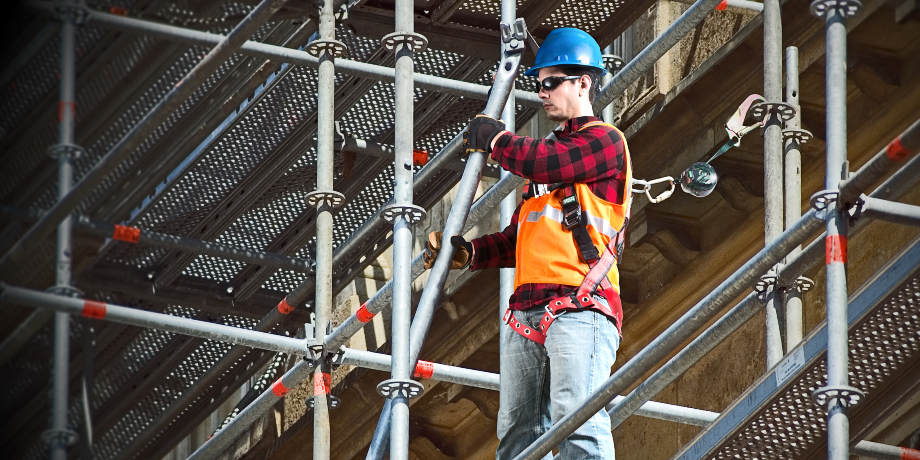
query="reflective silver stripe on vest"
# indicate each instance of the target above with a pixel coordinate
(599, 224)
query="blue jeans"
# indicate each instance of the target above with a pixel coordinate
(542, 383)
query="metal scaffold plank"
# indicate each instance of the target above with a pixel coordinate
(777, 418)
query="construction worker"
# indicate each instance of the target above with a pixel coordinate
(563, 241)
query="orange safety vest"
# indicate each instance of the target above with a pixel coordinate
(546, 252)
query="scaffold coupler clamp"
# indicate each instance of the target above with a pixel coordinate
(67, 151)
(842, 394)
(73, 9)
(65, 291)
(848, 8)
(823, 201)
(328, 198)
(315, 349)
(395, 388)
(65, 437)
(415, 42)
(799, 136)
(801, 284)
(330, 48)
(515, 37)
(768, 109)
(856, 209)
(338, 137)
(410, 212)
(766, 284)
(613, 63)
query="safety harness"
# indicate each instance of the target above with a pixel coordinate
(595, 280)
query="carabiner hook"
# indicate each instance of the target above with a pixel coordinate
(646, 187)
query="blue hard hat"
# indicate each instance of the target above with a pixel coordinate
(568, 46)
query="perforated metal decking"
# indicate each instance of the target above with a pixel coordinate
(183, 179)
(776, 417)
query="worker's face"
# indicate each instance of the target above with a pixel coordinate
(563, 102)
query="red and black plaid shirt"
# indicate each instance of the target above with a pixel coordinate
(595, 156)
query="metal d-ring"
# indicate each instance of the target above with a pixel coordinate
(848, 8)
(800, 136)
(410, 212)
(416, 42)
(394, 388)
(851, 396)
(784, 111)
(334, 47)
(318, 198)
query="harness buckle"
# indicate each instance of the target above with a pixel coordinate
(571, 210)
(549, 311)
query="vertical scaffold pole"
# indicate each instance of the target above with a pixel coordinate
(456, 219)
(509, 203)
(837, 396)
(793, 138)
(400, 387)
(324, 198)
(773, 162)
(59, 435)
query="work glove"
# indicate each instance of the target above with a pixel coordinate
(461, 255)
(478, 137)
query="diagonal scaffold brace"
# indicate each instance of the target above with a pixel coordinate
(513, 37)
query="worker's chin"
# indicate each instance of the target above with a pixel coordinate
(556, 115)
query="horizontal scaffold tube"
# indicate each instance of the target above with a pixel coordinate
(140, 318)
(180, 243)
(424, 369)
(374, 149)
(480, 379)
(290, 56)
(890, 211)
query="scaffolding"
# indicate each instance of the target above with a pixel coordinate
(350, 219)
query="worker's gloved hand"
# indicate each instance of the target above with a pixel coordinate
(478, 137)
(461, 255)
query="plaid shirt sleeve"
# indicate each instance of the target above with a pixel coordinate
(596, 154)
(496, 250)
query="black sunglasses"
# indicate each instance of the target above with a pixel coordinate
(551, 83)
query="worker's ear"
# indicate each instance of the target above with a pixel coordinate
(584, 85)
